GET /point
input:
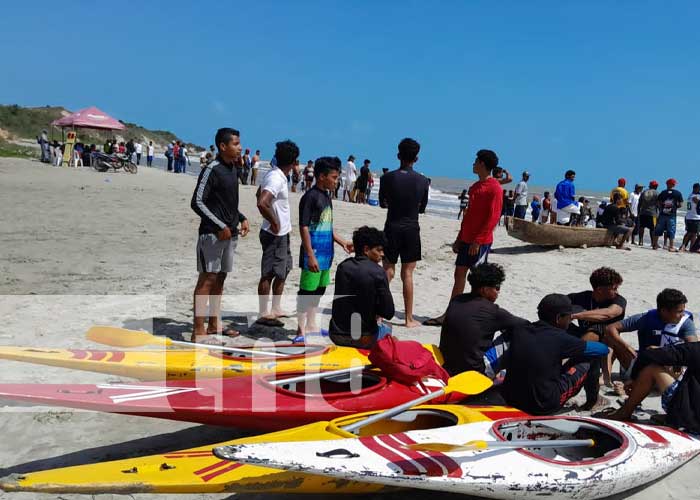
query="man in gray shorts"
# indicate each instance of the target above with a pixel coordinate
(273, 204)
(215, 200)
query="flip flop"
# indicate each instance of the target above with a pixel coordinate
(272, 322)
(228, 332)
(432, 322)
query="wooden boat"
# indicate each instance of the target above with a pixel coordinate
(258, 402)
(197, 470)
(623, 456)
(186, 364)
(554, 235)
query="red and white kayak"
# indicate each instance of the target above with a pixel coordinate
(624, 456)
(253, 402)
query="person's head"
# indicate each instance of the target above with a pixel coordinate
(526, 176)
(653, 184)
(671, 183)
(257, 152)
(286, 153)
(621, 182)
(497, 173)
(369, 242)
(211, 147)
(670, 305)
(510, 192)
(247, 151)
(150, 143)
(408, 151)
(570, 174)
(696, 187)
(464, 191)
(617, 198)
(228, 140)
(310, 163)
(547, 195)
(638, 188)
(366, 163)
(351, 158)
(486, 162)
(535, 198)
(327, 171)
(556, 309)
(581, 199)
(486, 280)
(605, 282)
(385, 170)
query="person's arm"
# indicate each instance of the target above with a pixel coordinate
(205, 184)
(673, 355)
(308, 249)
(424, 201)
(599, 315)
(507, 179)
(383, 202)
(384, 302)
(687, 330)
(347, 245)
(265, 208)
(624, 352)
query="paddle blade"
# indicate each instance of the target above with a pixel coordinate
(468, 383)
(119, 337)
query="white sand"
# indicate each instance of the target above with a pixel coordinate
(79, 248)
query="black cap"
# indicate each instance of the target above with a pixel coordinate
(556, 304)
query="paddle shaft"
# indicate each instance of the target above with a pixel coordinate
(316, 376)
(224, 348)
(533, 443)
(393, 411)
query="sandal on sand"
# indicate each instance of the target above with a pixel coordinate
(273, 322)
(228, 332)
(432, 322)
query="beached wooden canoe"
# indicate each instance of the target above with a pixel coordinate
(554, 235)
(514, 458)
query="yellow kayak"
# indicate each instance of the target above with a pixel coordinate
(183, 364)
(197, 470)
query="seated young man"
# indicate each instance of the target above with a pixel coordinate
(613, 219)
(362, 294)
(536, 381)
(472, 319)
(601, 306)
(668, 324)
(680, 396)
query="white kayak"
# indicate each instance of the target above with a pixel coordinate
(623, 456)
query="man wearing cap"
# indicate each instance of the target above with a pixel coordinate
(521, 197)
(624, 195)
(669, 201)
(648, 211)
(536, 381)
(634, 208)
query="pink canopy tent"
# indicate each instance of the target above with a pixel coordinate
(89, 118)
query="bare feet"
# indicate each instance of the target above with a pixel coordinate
(412, 323)
(275, 313)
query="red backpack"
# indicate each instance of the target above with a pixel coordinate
(405, 361)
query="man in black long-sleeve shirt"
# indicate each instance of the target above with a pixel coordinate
(362, 293)
(215, 200)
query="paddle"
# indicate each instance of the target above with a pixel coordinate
(493, 445)
(315, 376)
(467, 383)
(120, 337)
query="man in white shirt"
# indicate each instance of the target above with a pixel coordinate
(521, 197)
(185, 158)
(273, 204)
(350, 179)
(138, 148)
(692, 219)
(149, 154)
(634, 208)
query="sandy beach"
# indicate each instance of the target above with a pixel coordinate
(80, 248)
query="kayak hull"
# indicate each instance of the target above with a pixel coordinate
(251, 402)
(197, 470)
(625, 456)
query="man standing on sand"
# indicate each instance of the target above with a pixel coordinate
(475, 237)
(692, 219)
(624, 195)
(648, 211)
(404, 192)
(669, 201)
(170, 155)
(138, 148)
(254, 167)
(521, 197)
(273, 205)
(634, 208)
(350, 179)
(215, 200)
(150, 151)
(565, 194)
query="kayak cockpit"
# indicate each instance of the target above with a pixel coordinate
(341, 385)
(284, 352)
(609, 442)
(410, 420)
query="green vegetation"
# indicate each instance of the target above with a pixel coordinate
(27, 123)
(13, 150)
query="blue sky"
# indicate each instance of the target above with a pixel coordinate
(606, 88)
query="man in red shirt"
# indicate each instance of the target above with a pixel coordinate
(475, 237)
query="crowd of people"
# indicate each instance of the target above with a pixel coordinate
(538, 365)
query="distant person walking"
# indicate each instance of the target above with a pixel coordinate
(176, 157)
(350, 175)
(150, 152)
(43, 141)
(634, 208)
(184, 158)
(170, 155)
(546, 207)
(521, 197)
(475, 236)
(254, 168)
(463, 203)
(362, 183)
(215, 200)
(648, 211)
(692, 219)
(138, 149)
(273, 205)
(308, 175)
(246, 166)
(669, 201)
(565, 194)
(535, 208)
(404, 193)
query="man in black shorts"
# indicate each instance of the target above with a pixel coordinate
(601, 306)
(404, 192)
(215, 200)
(536, 381)
(648, 211)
